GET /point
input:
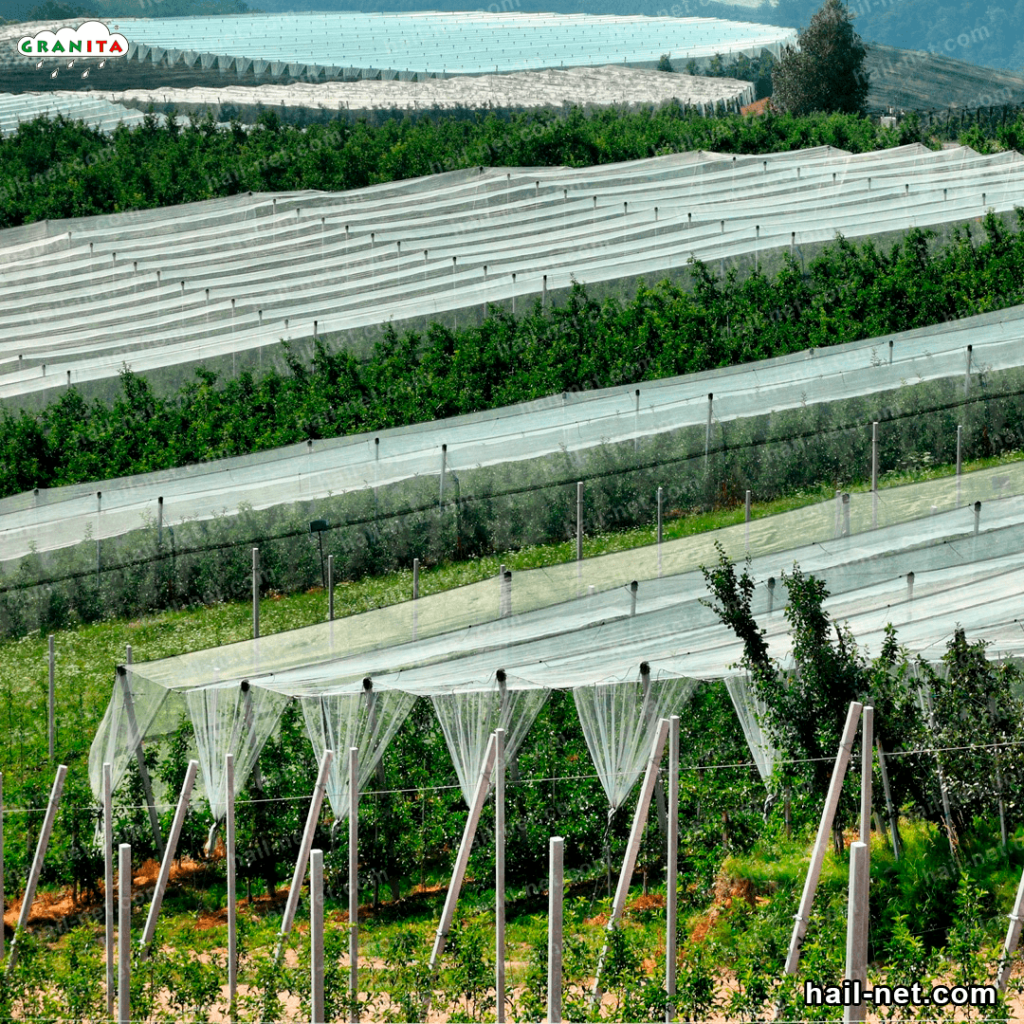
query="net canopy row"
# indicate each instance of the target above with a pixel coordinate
(104, 112)
(560, 438)
(214, 280)
(454, 43)
(630, 649)
(522, 90)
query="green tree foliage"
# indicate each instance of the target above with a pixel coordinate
(851, 291)
(665, 62)
(826, 72)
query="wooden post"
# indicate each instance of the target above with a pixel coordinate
(556, 884)
(108, 881)
(316, 935)
(52, 700)
(857, 928)
(229, 850)
(672, 865)
(353, 882)
(893, 825)
(303, 858)
(255, 593)
(632, 848)
(149, 932)
(462, 859)
(835, 789)
(124, 933)
(135, 738)
(37, 863)
(499, 875)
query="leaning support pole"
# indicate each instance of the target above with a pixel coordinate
(149, 932)
(108, 881)
(1012, 938)
(835, 788)
(499, 876)
(857, 929)
(135, 738)
(353, 883)
(229, 852)
(303, 859)
(556, 885)
(672, 866)
(37, 862)
(894, 831)
(632, 848)
(316, 936)
(124, 933)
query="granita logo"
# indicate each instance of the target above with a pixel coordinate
(93, 39)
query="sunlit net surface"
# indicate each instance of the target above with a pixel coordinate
(582, 427)
(467, 43)
(589, 627)
(158, 288)
(96, 112)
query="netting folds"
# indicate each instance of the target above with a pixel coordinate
(367, 721)
(619, 724)
(468, 719)
(231, 719)
(750, 710)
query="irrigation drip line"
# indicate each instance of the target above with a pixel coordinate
(567, 778)
(653, 463)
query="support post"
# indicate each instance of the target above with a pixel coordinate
(943, 788)
(894, 832)
(499, 875)
(874, 476)
(444, 469)
(316, 936)
(124, 933)
(967, 375)
(707, 433)
(846, 515)
(303, 859)
(659, 517)
(857, 928)
(579, 521)
(1012, 938)
(672, 866)
(835, 788)
(632, 848)
(160, 521)
(632, 597)
(353, 883)
(977, 517)
(415, 578)
(330, 588)
(108, 881)
(556, 885)
(37, 863)
(149, 931)
(506, 593)
(229, 850)
(866, 766)
(959, 461)
(255, 593)
(51, 718)
(135, 738)
(99, 501)
(462, 859)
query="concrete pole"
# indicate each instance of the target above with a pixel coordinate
(52, 699)
(977, 517)
(229, 849)
(124, 933)
(462, 859)
(893, 827)
(1012, 938)
(303, 858)
(846, 515)
(633, 587)
(108, 881)
(415, 578)
(556, 885)
(632, 848)
(672, 865)
(444, 469)
(499, 875)
(316, 935)
(99, 500)
(255, 593)
(707, 433)
(37, 862)
(867, 750)
(959, 461)
(135, 736)
(660, 536)
(967, 375)
(330, 588)
(857, 928)
(874, 476)
(353, 882)
(149, 931)
(159, 521)
(835, 789)
(579, 521)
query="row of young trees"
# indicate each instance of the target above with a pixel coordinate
(851, 291)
